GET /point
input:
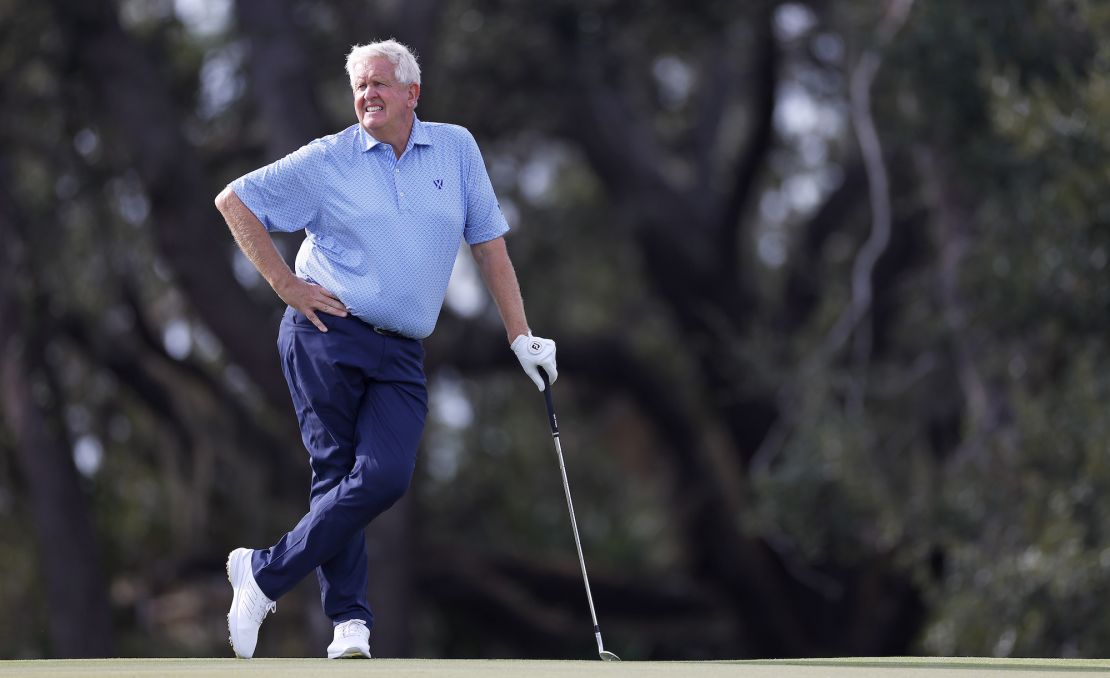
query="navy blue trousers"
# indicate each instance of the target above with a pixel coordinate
(361, 401)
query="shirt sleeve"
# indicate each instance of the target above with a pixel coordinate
(284, 195)
(484, 220)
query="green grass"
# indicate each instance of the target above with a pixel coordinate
(862, 667)
(946, 665)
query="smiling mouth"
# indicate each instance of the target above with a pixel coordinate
(373, 109)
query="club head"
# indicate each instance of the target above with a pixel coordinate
(608, 656)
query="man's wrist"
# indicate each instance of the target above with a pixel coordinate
(283, 281)
(513, 336)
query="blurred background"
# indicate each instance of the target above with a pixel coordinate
(828, 279)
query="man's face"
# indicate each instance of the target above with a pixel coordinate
(383, 106)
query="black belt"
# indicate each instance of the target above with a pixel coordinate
(381, 330)
(387, 333)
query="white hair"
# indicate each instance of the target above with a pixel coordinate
(406, 70)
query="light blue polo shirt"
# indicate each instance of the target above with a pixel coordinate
(381, 233)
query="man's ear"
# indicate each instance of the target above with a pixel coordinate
(414, 94)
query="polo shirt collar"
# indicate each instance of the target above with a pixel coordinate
(417, 137)
(419, 134)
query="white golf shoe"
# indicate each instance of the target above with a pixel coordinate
(249, 606)
(352, 641)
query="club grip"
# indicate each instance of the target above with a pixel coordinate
(550, 403)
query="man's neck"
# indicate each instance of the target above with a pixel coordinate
(397, 140)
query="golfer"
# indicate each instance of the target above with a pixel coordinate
(385, 204)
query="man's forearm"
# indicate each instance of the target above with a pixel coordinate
(497, 271)
(253, 240)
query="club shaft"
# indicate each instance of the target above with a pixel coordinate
(577, 539)
(607, 656)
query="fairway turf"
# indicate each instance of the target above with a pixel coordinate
(862, 667)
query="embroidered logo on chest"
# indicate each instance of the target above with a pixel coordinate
(438, 183)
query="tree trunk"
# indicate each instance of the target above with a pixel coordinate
(80, 619)
(389, 545)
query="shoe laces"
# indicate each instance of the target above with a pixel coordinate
(259, 611)
(352, 627)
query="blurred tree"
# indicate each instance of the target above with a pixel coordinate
(822, 276)
(78, 617)
(1021, 233)
(677, 124)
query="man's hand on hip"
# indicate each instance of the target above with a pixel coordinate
(308, 298)
(534, 353)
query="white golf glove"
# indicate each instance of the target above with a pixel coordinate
(533, 353)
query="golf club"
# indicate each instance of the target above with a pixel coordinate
(601, 651)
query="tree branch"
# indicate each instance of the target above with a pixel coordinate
(720, 73)
(878, 185)
(620, 146)
(987, 409)
(804, 279)
(759, 142)
(143, 120)
(281, 75)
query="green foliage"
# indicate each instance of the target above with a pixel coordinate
(1028, 551)
(964, 443)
